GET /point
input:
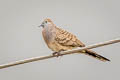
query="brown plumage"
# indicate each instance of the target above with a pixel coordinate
(58, 40)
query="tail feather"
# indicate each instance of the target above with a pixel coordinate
(95, 55)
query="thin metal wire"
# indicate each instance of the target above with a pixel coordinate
(62, 53)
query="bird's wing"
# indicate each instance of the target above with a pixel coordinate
(66, 38)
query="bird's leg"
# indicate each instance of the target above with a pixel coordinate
(57, 54)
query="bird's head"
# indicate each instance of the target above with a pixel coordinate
(46, 23)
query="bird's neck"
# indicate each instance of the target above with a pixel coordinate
(49, 28)
(49, 32)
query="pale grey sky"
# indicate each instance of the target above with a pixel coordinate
(91, 21)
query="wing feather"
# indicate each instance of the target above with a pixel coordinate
(66, 38)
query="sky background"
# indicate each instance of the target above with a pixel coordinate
(92, 21)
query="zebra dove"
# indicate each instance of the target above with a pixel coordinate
(58, 40)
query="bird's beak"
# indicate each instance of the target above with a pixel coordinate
(41, 25)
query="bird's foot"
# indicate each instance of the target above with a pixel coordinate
(57, 54)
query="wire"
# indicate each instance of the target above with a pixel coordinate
(62, 53)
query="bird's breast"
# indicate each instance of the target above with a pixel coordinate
(46, 36)
(49, 39)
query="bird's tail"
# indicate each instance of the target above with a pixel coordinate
(95, 55)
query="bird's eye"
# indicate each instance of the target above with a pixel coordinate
(45, 21)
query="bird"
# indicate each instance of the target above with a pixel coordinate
(58, 39)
